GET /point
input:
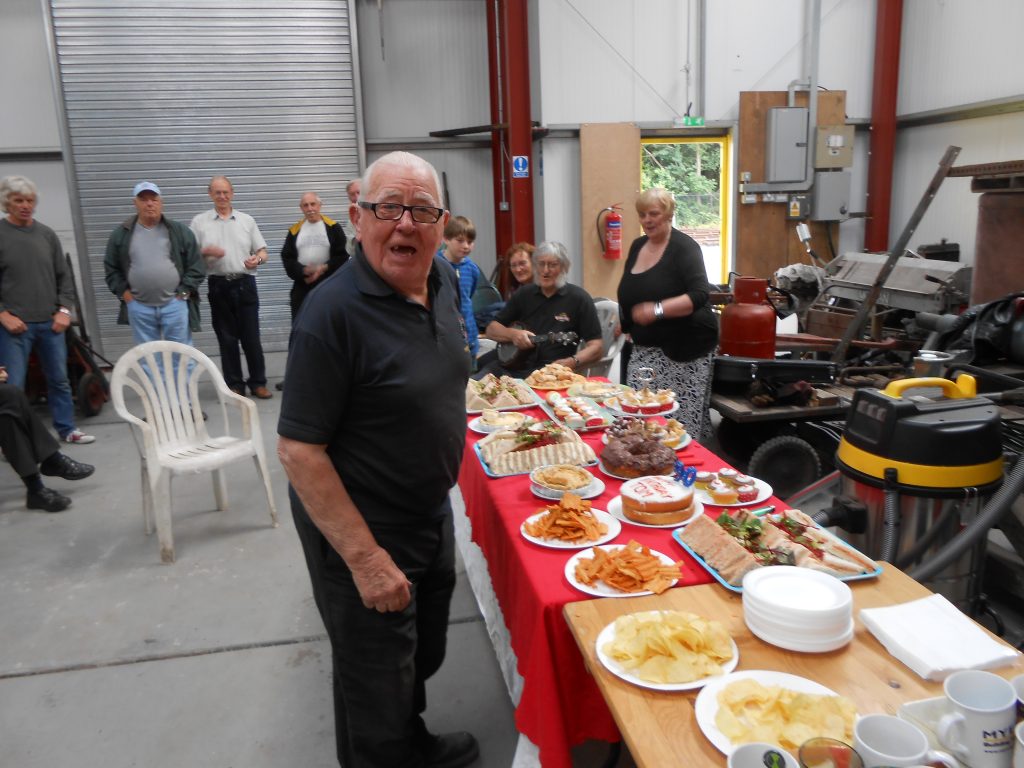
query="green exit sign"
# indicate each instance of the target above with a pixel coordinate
(692, 122)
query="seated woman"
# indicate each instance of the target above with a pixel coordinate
(519, 263)
(33, 451)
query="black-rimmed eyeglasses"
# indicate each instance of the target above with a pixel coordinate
(421, 214)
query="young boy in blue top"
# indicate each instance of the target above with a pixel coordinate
(459, 238)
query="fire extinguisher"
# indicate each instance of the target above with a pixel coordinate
(610, 231)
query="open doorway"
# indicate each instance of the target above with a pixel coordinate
(695, 171)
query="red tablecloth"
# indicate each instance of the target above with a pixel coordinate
(560, 705)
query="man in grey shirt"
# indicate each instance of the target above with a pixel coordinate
(36, 296)
(153, 266)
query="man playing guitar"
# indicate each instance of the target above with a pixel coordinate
(552, 312)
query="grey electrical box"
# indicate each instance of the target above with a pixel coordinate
(834, 146)
(786, 155)
(830, 196)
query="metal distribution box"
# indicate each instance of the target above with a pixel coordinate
(834, 146)
(830, 197)
(786, 155)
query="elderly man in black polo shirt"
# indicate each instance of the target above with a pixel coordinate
(549, 305)
(377, 361)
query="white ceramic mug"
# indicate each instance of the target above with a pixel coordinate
(884, 740)
(979, 730)
(1018, 686)
(1018, 746)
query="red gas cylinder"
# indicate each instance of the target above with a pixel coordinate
(748, 324)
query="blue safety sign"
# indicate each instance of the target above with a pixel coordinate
(520, 167)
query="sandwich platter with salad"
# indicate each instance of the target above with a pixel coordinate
(734, 544)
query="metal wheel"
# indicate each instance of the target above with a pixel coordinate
(788, 464)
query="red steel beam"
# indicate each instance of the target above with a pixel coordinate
(517, 59)
(509, 63)
(888, 30)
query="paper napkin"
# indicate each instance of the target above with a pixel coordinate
(933, 638)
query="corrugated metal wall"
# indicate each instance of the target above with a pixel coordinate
(262, 92)
(959, 53)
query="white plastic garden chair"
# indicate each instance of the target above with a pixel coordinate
(171, 433)
(611, 345)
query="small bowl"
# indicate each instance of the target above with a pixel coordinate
(756, 754)
(516, 419)
(554, 493)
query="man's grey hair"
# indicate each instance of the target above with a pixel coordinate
(556, 249)
(403, 159)
(16, 185)
(219, 177)
(314, 194)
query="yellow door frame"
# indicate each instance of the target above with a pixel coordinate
(725, 201)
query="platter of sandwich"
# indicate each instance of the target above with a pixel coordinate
(498, 393)
(537, 444)
(735, 543)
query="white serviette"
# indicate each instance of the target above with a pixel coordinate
(933, 638)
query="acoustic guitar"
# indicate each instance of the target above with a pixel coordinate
(510, 356)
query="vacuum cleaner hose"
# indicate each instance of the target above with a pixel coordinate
(891, 519)
(990, 514)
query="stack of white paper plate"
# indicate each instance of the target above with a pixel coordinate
(798, 609)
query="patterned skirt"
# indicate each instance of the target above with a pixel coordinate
(691, 381)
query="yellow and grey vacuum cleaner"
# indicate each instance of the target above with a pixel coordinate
(922, 469)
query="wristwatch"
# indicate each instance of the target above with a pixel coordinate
(183, 295)
(659, 310)
(575, 362)
(64, 311)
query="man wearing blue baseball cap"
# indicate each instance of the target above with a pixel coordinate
(153, 266)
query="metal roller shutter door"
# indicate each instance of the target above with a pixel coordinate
(176, 92)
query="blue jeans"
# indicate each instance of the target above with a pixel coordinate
(52, 350)
(169, 322)
(166, 323)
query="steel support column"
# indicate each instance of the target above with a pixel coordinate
(888, 30)
(509, 60)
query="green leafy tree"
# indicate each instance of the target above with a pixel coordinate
(690, 172)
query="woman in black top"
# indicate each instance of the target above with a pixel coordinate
(663, 304)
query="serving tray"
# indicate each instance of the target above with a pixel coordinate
(677, 535)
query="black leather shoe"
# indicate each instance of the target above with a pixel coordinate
(451, 750)
(279, 386)
(47, 500)
(59, 465)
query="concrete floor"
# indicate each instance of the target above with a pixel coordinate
(108, 658)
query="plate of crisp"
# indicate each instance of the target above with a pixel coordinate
(570, 523)
(622, 571)
(776, 707)
(667, 650)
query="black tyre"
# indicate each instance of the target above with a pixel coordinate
(739, 441)
(787, 463)
(92, 394)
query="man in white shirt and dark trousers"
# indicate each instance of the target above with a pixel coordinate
(232, 246)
